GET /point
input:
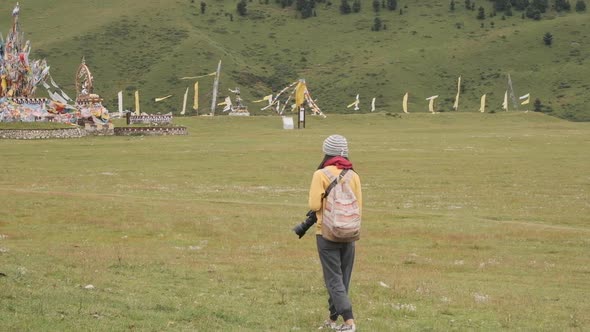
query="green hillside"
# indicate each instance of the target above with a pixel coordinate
(149, 45)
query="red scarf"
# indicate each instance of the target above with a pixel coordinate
(339, 162)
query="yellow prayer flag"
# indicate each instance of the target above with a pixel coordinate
(196, 99)
(300, 93)
(482, 106)
(269, 98)
(193, 77)
(525, 99)
(137, 111)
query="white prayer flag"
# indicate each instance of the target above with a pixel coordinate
(431, 103)
(525, 99)
(184, 102)
(355, 104)
(65, 95)
(53, 82)
(162, 98)
(120, 97)
(373, 105)
(456, 104)
(55, 96)
(405, 103)
(505, 103)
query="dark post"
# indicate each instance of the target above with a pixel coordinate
(301, 117)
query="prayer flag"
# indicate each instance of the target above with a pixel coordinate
(431, 103)
(405, 103)
(456, 104)
(300, 93)
(162, 98)
(137, 111)
(196, 98)
(120, 97)
(193, 77)
(184, 102)
(482, 106)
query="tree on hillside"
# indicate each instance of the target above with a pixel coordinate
(203, 7)
(356, 6)
(467, 4)
(299, 4)
(376, 6)
(537, 106)
(345, 7)
(520, 4)
(242, 7)
(481, 14)
(562, 5)
(452, 5)
(377, 24)
(307, 8)
(580, 6)
(548, 39)
(392, 4)
(508, 10)
(500, 5)
(533, 12)
(541, 5)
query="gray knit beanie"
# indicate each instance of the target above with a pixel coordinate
(336, 145)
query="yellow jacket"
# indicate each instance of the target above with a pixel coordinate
(319, 183)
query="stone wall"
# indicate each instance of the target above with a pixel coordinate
(42, 133)
(150, 131)
(99, 129)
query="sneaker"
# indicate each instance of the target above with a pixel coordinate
(346, 327)
(328, 324)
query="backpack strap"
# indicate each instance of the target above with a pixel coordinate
(334, 179)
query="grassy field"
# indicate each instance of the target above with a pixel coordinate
(471, 222)
(149, 45)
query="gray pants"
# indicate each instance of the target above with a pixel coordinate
(337, 261)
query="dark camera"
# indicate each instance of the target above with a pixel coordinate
(306, 224)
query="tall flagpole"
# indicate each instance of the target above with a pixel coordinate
(215, 87)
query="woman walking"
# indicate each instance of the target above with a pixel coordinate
(337, 258)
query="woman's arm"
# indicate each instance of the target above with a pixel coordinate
(316, 189)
